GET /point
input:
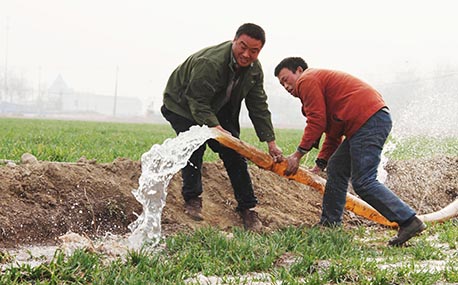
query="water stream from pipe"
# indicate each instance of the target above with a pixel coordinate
(159, 165)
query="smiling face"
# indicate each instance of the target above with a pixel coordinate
(288, 79)
(246, 50)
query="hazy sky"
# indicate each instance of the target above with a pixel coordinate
(85, 40)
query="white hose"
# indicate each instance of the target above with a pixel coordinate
(444, 214)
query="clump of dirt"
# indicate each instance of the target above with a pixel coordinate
(426, 184)
(40, 201)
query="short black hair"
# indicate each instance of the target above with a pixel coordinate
(253, 31)
(291, 63)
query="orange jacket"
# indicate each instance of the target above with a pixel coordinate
(335, 103)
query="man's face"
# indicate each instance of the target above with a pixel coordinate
(246, 50)
(288, 79)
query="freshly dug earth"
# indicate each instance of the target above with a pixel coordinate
(40, 201)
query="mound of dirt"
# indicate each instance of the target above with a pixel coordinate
(40, 201)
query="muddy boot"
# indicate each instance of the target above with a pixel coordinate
(251, 220)
(193, 208)
(408, 231)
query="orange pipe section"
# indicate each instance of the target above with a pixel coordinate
(265, 161)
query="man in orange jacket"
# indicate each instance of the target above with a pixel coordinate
(356, 123)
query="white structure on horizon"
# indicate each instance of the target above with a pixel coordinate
(63, 99)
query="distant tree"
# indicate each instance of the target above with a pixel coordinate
(19, 89)
(16, 88)
(150, 110)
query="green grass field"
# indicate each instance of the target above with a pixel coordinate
(331, 256)
(67, 141)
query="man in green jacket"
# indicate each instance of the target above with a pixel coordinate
(208, 89)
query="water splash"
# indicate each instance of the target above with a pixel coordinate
(427, 126)
(159, 165)
(382, 174)
(433, 115)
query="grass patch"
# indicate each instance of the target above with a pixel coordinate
(317, 256)
(67, 141)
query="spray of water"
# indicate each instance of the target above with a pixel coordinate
(159, 165)
(382, 174)
(424, 128)
(433, 115)
(427, 124)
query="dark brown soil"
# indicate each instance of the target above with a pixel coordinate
(41, 201)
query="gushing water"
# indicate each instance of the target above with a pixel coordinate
(159, 165)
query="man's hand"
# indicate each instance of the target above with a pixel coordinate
(293, 163)
(275, 151)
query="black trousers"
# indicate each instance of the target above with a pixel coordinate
(235, 164)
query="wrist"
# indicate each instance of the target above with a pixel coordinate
(301, 150)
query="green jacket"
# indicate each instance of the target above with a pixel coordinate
(197, 87)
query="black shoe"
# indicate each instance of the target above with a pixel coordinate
(251, 220)
(406, 232)
(193, 208)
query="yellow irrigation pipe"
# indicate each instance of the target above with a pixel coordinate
(353, 203)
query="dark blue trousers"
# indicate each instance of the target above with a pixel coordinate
(235, 164)
(357, 159)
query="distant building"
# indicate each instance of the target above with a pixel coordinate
(63, 99)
